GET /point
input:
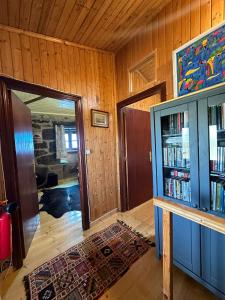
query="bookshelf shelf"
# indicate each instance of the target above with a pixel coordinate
(172, 135)
(217, 173)
(177, 168)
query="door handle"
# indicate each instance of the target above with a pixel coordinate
(150, 156)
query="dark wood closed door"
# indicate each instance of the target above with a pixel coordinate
(26, 182)
(138, 156)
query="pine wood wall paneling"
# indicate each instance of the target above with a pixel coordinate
(161, 42)
(6, 55)
(35, 58)
(195, 18)
(26, 58)
(85, 72)
(206, 15)
(177, 14)
(169, 48)
(59, 66)
(217, 11)
(16, 55)
(45, 72)
(145, 104)
(66, 71)
(184, 20)
(52, 64)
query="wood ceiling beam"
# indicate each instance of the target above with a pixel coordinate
(51, 39)
(34, 100)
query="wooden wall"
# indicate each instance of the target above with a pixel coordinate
(77, 70)
(145, 103)
(176, 24)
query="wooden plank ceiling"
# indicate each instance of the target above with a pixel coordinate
(102, 24)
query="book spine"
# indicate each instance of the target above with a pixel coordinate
(213, 115)
(214, 195)
(210, 115)
(178, 123)
(219, 123)
(218, 198)
(223, 203)
(223, 116)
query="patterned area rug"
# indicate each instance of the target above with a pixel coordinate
(86, 270)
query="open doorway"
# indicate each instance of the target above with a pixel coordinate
(33, 120)
(55, 142)
(136, 184)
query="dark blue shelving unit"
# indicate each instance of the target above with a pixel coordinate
(191, 131)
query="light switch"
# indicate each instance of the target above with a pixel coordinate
(88, 151)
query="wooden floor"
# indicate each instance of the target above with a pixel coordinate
(143, 281)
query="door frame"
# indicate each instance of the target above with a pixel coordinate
(8, 156)
(156, 89)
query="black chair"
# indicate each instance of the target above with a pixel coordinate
(41, 176)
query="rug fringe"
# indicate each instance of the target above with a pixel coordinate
(137, 233)
(27, 287)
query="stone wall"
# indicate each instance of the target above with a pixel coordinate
(45, 144)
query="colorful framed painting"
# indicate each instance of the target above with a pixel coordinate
(200, 63)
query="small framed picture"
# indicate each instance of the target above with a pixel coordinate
(99, 118)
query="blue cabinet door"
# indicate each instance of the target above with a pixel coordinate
(212, 243)
(186, 242)
(186, 234)
(213, 258)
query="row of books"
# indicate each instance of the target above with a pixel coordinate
(177, 188)
(174, 123)
(217, 115)
(218, 196)
(176, 157)
(219, 164)
(180, 174)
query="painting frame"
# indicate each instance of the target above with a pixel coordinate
(99, 118)
(183, 47)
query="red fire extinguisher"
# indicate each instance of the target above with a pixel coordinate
(5, 235)
(5, 219)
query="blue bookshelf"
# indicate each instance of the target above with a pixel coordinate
(188, 138)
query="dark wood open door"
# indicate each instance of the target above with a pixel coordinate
(26, 182)
(138, 156)
(16, 140)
